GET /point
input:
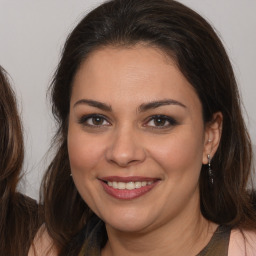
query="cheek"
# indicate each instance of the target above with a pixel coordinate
(84, 155)
(180, 154)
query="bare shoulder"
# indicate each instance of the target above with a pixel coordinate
(242, 243)
(42, 244)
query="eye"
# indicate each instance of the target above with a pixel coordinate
(94, 120)
(161, 121)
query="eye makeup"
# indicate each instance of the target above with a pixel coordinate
(160, 122)
(94, 120)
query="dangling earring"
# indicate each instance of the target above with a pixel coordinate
(210, 172)
(70, 174)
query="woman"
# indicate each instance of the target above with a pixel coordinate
(153, 156)
(18, 213)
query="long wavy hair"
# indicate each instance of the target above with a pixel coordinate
(192, 43)
(18, 213)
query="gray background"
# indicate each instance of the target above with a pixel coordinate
(32, 33)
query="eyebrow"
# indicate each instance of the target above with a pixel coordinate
(142, 108)
(156, 104)
(95, 104)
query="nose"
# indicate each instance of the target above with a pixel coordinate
(125, 148)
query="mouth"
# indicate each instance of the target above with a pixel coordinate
(129, 185)
(128, 188)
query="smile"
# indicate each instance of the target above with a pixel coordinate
(129, 185)
(128, 188)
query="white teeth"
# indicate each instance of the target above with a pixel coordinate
(114, 184)
(137, 184)
(129, 185)
(121, 185)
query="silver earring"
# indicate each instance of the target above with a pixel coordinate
(70, 174)
(210, 172)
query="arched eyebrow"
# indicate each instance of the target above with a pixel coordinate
(159, 103)
(94, 103)
(142, 108)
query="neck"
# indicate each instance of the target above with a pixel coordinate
(187, 234)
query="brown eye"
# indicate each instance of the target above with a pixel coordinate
(97, 120)
(160, 122)
(94, 121)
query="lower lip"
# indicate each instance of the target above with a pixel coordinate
(126, 194)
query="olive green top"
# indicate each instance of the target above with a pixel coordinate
(218, 245)
(96, 238)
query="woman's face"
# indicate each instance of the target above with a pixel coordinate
(136, 138)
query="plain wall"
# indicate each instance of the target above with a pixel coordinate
(32, 34)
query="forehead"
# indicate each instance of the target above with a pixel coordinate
(139, 73)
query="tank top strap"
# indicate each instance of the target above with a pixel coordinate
(219, 243)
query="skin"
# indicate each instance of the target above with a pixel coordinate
(42, 244)
(126, 140)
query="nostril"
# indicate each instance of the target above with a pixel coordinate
(125, 150)
(124, 163)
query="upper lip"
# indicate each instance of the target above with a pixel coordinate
(128, 179)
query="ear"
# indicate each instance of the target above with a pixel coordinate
(213, 130)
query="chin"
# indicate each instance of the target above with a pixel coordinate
(128, 227)
(128, 223)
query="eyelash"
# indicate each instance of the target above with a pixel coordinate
(171, 121)
(84, 120)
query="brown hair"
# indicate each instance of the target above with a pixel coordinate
(18, 213)
(191, 42)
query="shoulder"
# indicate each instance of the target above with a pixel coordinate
(42, 244)
(242, 243)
